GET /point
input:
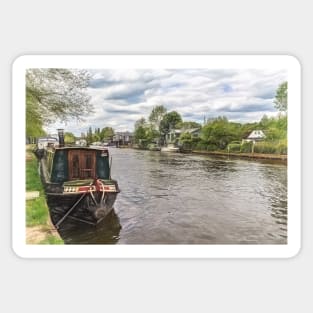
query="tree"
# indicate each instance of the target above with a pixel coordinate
(57, 94)
(188, 125)
(281, 97)
(218, 133)
(156, 116)
(69, 137)
(186, 140)
(141, 123)
(34, 123)
(107, 133)
(89, 136)
(169, 121)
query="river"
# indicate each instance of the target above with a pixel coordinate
(173, 198)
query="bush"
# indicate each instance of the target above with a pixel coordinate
(246, 147)
(270, 147)
(200, 146)
(282, 148)
(211, 147)
(234, 147)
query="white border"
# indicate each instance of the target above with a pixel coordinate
(157, 61)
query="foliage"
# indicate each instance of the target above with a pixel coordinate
(156, 116)
(186, 140)
(34, 122)
(281, 97)
(106, 133)
(56, 94)
(246, 147)
(188, 125)
(36, 209)
(220, 132)
(274, 128)
(169, 121)
(69, 138)
(234, 147)
(273, 147)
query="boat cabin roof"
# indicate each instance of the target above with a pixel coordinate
(82, 148)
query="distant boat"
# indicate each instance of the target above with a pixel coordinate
(154, 147)
(170, 148)
(77, 182)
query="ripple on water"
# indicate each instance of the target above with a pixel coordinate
(178, 198)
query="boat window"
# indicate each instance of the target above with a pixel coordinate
(82, 164)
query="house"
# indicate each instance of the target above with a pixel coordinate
(81, 142)
(123, 138)
(175, 133)
(255, 136)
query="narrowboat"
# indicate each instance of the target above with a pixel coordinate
(77, 182)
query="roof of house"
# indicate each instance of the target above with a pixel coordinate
(256, 134)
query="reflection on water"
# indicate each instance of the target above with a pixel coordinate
(191, 199)
(106, 232)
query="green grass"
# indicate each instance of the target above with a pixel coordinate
(36, 211)
(33, 181)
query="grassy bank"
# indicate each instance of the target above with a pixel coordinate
(39, 229)
(267, 156)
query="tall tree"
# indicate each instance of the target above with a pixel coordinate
(69, 137)
(141, 123)
(281, 97)
(107, 133)
(57, 94)
(169, 121)
(156, 116)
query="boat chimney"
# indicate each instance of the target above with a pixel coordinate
(61, 137)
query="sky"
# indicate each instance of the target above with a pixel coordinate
(121, 97)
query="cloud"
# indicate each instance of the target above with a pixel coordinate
(120, 97)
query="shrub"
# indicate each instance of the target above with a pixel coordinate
(266, 147)
(234, 147)
(200, 146)
(246, 147)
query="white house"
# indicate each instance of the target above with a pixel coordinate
(254, 136)
(175, 133)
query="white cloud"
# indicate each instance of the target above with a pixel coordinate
(120, 97)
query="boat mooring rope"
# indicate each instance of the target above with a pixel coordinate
(57, 225)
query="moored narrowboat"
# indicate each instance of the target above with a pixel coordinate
(77, 182)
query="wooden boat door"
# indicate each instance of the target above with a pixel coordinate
(81, 164)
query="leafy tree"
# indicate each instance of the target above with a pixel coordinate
(57, 94)
(220, 132)
(281, 97)
(89, 136)
(186, 140)
(69, 138)
(188, 125)
(169, 121)
(141, 123)
(34, 123)
(106, 133)
(156, 116)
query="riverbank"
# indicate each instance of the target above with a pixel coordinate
(278, 157)
(258, 156)
(39, 228)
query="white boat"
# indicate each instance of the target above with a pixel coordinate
(170, 148)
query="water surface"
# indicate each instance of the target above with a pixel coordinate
(173, 198)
